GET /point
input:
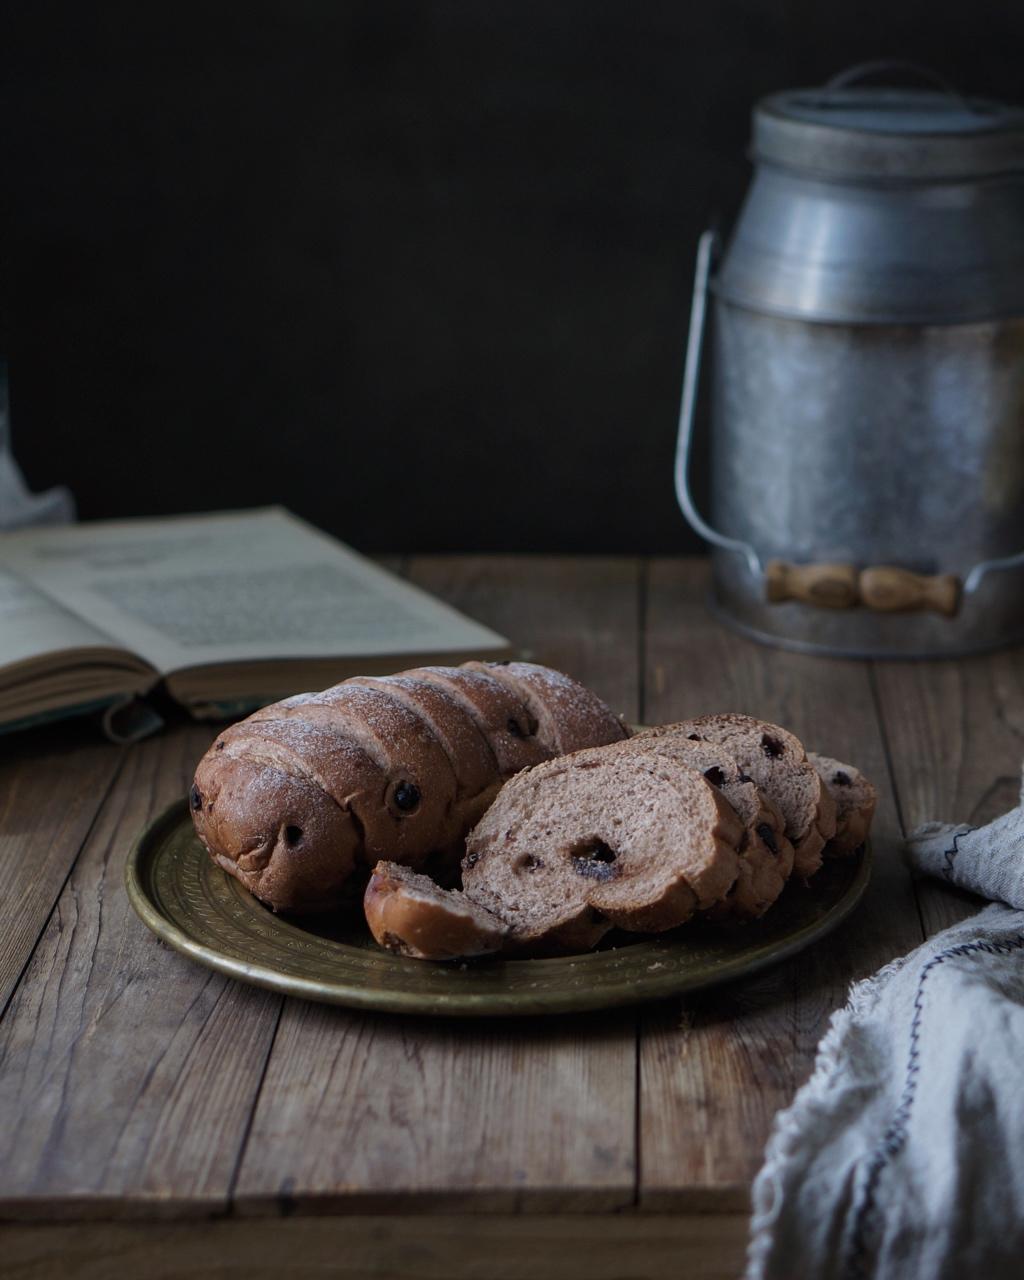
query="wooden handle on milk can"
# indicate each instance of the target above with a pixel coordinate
(883, 588)
(830, 586)
(889, 590)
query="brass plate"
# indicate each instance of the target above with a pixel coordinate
(204, 913)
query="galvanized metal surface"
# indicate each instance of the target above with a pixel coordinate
(881, 445)
(886, 134)
(856, 254)
(869, 367)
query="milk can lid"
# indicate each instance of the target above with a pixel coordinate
(855, 131)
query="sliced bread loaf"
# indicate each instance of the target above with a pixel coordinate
(411, 916)
(601, 838)
(855, 799)
(776, 760)
(765, 853)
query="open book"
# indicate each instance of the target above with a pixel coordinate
(229, 611)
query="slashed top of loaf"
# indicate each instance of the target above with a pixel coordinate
(470, 754)
(570, 716)
(501, 716)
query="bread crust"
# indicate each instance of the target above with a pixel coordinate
(500, 715)
(855, 800)
(765, 853)
(569, 716)
(410, 916)
(808, 826)
(555, 831)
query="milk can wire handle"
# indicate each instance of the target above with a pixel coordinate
(883, 588)
(706, 249)
(882, 66)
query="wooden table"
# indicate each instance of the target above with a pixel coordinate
(159, 1120)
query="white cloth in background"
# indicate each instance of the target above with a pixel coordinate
(17, 505)
(902, 1158)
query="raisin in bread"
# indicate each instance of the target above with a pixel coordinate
(855, 800)
(765, 854)
(601, 838)
(303, 798)
(776, 760)
(412, 916)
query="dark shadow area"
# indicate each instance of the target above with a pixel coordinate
(418, 270)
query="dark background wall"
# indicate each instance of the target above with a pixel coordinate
(418, 269)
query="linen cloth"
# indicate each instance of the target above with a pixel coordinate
(17, 505)
(903, 1155)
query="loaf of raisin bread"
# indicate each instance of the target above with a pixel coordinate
(303, 798)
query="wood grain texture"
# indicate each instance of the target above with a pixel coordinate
(716, 1068)
(573, 1247)
(52, 784)
(956, 738)
(129, 1077)
(370, 1112)
(127, 1074)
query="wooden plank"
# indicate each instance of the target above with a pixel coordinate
(380, 1113)
(573, 1247)
(40, 839)
(715, 1069)
(956, 738)
(127, 1073)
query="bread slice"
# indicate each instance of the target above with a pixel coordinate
(601, 838)
(411, 916)
(855, 800)
(569, 716)
(765, 854)
(776, 760)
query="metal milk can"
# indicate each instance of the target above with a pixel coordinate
(867, 451)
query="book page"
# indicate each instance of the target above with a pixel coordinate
(196, 590)
(32, 625)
